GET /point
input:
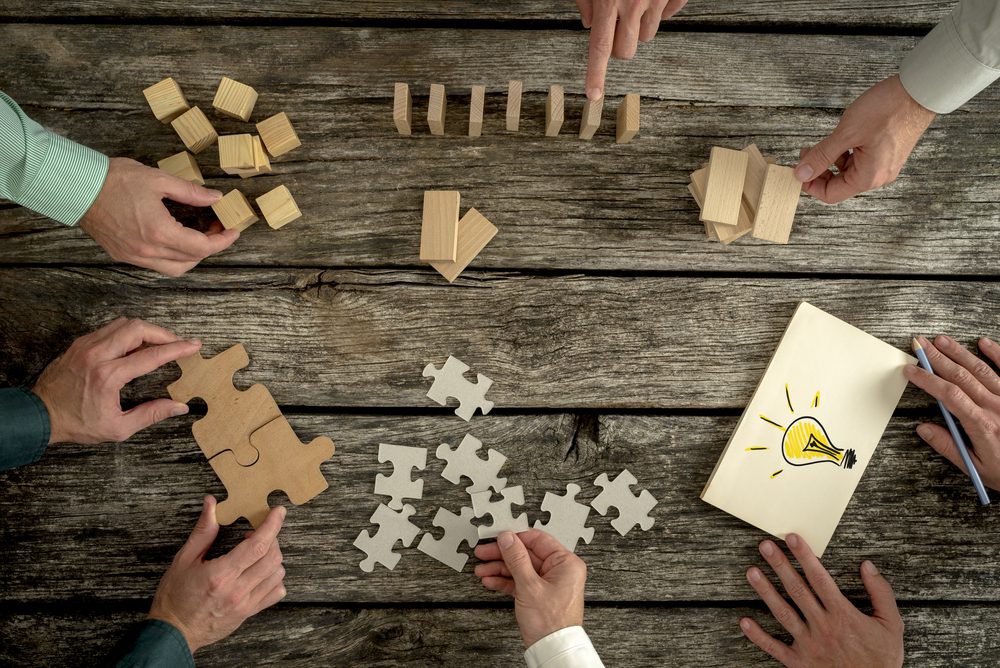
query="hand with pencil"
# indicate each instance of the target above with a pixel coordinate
(969, 388)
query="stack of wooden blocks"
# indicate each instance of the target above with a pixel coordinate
(447, 243)
(742, 192)
(244, 155)
(590, 120)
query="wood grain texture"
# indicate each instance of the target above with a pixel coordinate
(722, 197)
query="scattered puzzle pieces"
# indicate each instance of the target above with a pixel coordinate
(464, 461)
(457, 528)
(393, 526)
(399, 485)
(567, 518)
(449, 381)
(500, 512)
(632, 509)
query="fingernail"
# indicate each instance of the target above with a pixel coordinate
(505, 539)
(179, 409)
(594, 93)
(215, 194)
(753, 575)
(745, 624)
(804, 172)
(196, 342)
(942, 341)
(869, 568)
(924, 431)
(767, 548)
(792, 540)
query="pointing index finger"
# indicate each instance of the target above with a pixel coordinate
(602, 39)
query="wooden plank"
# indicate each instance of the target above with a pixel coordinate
(515, 88)
(627, 119)
(554, 110)
(723, 194)
(590, 118)
(474, 232)
(779, 198)
(439, 229)
(476, 103)
(727, 234)
(437, 105)
(402, 108)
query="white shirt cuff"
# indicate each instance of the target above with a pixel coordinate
(566, 648)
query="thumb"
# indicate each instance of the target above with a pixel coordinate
(147, 414)
(515, 555)
(203, 534)
(187, 192)
(880, 591)
(816, 160)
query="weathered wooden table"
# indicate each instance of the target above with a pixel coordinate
(617, 336)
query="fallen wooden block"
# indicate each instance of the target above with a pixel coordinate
(474, 232)
(476, 104)
(194, 130)
(436, 107)
(278, 134)
(166, 100)
(727, 234)
(724, 188)
(234, 99)
(627, 119)
(779, 197)
(590, 120)
(183, 166)
(402, 109)
(514, 90)
(261, 164)
(439, 229)
(554, 111)
(236, 154)
(234, 211)
(279, 207)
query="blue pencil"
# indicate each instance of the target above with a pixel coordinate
(955, 434)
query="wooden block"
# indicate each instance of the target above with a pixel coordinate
(514, 90)
(439, 230)
(236, 153)
(402, 109)
(474, 232)
(627, 119)
(723, 192)
(727, 234)
(778, 200)
(166, 100)
(554, 111)
(278, 207)
(234, 99)
(278, 134)
(756, 168)
(436, 109)
(194, 130)
(590, 120)
(234, 211)
(183, 166)
(476, 104)
(261, 165)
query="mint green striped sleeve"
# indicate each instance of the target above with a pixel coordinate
(46, 172)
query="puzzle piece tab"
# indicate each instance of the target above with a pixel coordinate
(501, 512)
(393, 526)
(457, 528)
(449, 381)
(567, 518)
(463, 461)
(399, 485)
(632, 509)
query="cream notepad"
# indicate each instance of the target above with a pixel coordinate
(810, 429)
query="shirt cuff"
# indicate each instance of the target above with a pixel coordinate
(569, 647)
(157, 644)
(941, 73)
(24, 427)
(68, 180)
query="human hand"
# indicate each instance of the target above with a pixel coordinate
(206, 600)
(81, 388)
(128, 219)
(869, 147)
(545, 579)
(833, 632)
(616, 27)
(970, 389)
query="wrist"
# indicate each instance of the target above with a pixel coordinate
(167, 618)
(56, 434)
(531, 636)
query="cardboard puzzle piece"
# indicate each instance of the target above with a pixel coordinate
(632, 509)
(457, 528)
(567, 518)
(285, 464)
(233, 415)
(400, 485)
(393, 526)
(449, 381)
(464, 461)
(501, 512)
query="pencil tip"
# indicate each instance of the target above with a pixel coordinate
(916, 345)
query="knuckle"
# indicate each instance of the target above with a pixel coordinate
(280, 572)
(955, 393)
(235, 598)
(217, 583)
(785, 616)
(962, 376)
(797, 590)
(258, 548)
(982, 369)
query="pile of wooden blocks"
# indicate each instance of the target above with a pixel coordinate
(590, 120)
(741, 192)
(244, 155)
(447, 243)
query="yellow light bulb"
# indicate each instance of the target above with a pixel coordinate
(806, 442)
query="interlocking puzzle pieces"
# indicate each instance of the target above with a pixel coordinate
(501, 512)
(465, 461)
(400, 485)
(567, 518)
(632, 509)
(449, 381)
(393, 526)
(457, 528)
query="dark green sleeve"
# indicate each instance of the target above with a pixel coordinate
(24, 427)
(154, 644)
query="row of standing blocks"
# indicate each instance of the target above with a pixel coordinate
(590, 120)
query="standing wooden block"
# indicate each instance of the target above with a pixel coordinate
(183, 166)
(166, 100)
(778, 200)
(194, 130)
(754, 182)
(727, 171)
(261, 164)
(235, 99)
(236, 153)
(590, 120)
(476, 104)
(727, 234)
(278, 134)
(554, 111)
(436, 109)
(278, 207)
(474, 232)
(402, 109)
(628, 119)
(514, 90)
(234, 211)
(439, 230)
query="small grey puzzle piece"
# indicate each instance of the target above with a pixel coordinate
(464, 461)
(567, 518)
(457, 528)
(393, 526)
(449, 381)
(632, 509)
(501, 512)
(399, 485)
